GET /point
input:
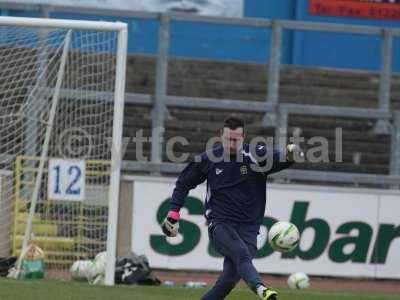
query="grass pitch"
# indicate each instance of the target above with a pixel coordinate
(58, 290)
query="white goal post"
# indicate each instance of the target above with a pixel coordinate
(62, 86)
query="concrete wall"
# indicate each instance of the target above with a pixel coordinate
(246, 44)
(340, 50)
(125, 214)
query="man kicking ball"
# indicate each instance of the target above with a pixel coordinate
(236, 175)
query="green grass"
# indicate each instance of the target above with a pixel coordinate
(58, 290)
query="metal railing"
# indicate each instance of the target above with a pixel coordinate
(276, 113)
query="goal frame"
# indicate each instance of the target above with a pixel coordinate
(119, 95)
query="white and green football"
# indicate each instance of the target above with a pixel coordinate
(298, 281)
(81, 270)
(283, 236)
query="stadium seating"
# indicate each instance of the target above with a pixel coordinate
(363, 151)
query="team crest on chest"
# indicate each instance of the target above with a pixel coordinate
(243, 170)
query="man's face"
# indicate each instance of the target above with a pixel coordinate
(232, 139)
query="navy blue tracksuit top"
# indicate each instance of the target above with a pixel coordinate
(236, 190)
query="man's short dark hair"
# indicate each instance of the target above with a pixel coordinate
(233, 123)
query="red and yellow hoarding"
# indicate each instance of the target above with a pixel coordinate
(389, 10)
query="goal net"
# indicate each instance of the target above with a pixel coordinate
(61, 103)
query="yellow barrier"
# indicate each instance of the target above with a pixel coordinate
(65, 230)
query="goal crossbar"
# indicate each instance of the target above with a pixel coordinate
(65, 24)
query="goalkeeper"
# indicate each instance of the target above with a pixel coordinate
(236, 176)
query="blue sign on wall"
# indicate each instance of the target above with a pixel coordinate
(340, 50)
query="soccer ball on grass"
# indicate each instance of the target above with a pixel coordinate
(298, 281)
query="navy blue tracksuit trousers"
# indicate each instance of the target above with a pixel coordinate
(238, 244)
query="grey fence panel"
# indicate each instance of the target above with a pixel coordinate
(383, 125)
(329, 27)
(274, 68)
(395, 147)
(159, 108)
(299, 175)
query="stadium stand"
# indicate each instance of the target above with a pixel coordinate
(363, 151)
(366, 155)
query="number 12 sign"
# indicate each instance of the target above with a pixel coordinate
(66, 180)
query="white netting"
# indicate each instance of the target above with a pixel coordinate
(30, 63)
